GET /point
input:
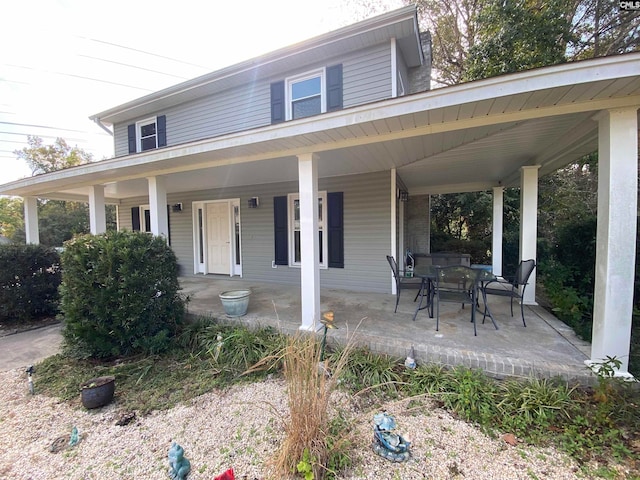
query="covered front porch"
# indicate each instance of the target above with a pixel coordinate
(545, 348)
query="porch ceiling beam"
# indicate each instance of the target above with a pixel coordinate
(453, 188)
(74, 197)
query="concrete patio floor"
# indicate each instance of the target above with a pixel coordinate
(545, 348)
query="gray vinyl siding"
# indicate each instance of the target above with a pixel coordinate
(367, 234)
(366, 78)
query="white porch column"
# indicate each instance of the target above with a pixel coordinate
(97, 215)
(158, 206)
(30, 205)
(394, 228)
(498, 230)
(309, 243)
(616, 236)
(529, 224)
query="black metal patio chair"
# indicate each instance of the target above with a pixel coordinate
(510, 286)
(455, 284)
(402, 281)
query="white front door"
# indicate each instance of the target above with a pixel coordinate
(218, 238)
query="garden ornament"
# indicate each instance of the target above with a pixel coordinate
(410, 361)
(387, 444)
(228, 475)
(30, 372)
(327, 321)
(75, 437)
(218, 349)
(179, 467)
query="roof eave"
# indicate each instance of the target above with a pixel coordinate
(112, 115)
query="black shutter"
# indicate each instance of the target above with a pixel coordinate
(161, 126)
(281, 230)
(334, 88)
(277, 102)
(169, 225)
(135, 219)
(335, 229)
(131, 130)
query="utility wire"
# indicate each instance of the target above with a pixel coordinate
(79, 76)
(133, 66)
(52, 128)
(43, 136)
(142, 51)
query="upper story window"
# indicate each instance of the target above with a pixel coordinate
(306, 95)
(310, 93)
(148, 134)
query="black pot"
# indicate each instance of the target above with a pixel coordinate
(97, 392)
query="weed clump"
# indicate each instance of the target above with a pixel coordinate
(313, 440)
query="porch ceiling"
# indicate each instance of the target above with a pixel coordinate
(469, 137)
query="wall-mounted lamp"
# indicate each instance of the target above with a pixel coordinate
(176, 207)
(253, 202)
(403, 195)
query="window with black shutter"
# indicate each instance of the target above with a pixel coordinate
(147, 134)
(284, 231)
(307, 94)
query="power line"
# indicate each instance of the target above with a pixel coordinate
(19, 82)
(81, 77)
(133, 66)
(52, 128)
(43, 136)
(142, 51)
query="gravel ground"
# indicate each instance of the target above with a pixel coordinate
(240, 429)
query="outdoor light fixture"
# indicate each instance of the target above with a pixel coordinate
(253, 202)
(176, 207)
(403, 195)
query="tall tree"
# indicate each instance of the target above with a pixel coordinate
(601, 29)
(43, 158)
(59, 220)
(517, 35)
(11, 217)
(453, 27)
(494, 29)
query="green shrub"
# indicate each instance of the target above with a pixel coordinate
(119, 295)
(533, 405)
(29, 280)
(375, 373)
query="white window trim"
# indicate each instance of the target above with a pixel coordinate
(143, 219)
(321, 225)
(139, 125)
(321, 72)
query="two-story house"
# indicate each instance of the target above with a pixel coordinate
(297, 167)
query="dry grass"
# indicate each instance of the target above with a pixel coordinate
(309, 389)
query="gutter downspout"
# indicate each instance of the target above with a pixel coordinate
(102, 126)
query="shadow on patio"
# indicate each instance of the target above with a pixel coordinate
(545, 348)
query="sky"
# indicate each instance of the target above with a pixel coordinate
(62, 61)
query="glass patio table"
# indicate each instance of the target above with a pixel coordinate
(428, 274)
